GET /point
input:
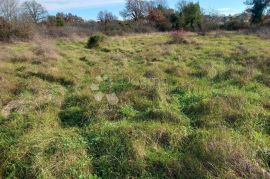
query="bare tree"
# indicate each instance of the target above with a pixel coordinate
(106, 17)
(159, 3)
(181, 5)
(34, 10)
(135, 9)
(9, 9)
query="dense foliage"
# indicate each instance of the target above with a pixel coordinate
(257, 10)
(139, 16)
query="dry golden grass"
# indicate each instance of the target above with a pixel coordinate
(45, 48)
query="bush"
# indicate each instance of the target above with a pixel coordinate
(15, 30)
(95, 40)
(263, 31)
(235, 24)
(67, 31)
(4, 30)
(179, 37)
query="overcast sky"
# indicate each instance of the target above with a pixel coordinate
(88, 9)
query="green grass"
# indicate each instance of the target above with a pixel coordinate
(137, 106)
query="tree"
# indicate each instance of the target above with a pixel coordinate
(160, 15)
(13, 24)
(159, 19)
(4, 30)
(257, 10)
(162, 3)
(9, 9)
(135, 9)
(176, 21)
(34, 10)
(73, 20)
(106, 17)
(60, 19)
(158, 3)
(191, 14)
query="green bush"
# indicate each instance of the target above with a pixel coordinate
(95, 40)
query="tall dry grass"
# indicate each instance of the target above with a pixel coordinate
(45, 48)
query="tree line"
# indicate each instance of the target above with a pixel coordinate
(22, 19)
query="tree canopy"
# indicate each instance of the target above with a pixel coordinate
(257, 9)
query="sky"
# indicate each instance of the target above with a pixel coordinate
(88, 9)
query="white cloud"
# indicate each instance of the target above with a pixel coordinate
(69, 4)
(224, 10)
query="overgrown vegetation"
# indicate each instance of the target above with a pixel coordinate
(23, 20)
(187, 103)
(139, 106)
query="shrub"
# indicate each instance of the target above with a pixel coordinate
(263, 32)
(95, 40)
(4, 30)
(179, 36)
(235, 24)
(67, 31)
(12, 31)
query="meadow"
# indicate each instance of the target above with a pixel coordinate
(137, 106)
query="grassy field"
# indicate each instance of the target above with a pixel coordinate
(138, 106)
